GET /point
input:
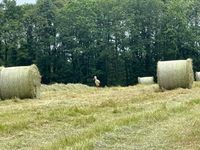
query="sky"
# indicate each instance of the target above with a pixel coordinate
(20, 2)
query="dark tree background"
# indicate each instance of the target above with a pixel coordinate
(117, 40)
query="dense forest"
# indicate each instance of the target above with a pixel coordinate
(117, 40)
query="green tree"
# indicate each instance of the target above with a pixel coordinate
(10, 31)
(117, 40)
(46, 38)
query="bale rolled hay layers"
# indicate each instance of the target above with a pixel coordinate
(197, 76)
(1, 68)
(21, 82)
(145, 80)
(175, 74)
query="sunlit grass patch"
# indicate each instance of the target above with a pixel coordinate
(14, 127)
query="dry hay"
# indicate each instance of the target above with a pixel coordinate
(20, 82)
(1, 68)
(175, 74)
(65, 87)
(145, 80)
(197, 76)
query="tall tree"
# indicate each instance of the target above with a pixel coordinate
(46, 38)
(117, 40)
(10, 35)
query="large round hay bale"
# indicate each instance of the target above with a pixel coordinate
(20, 82)
(197, 76)
(175, 74)
(1, 68)
(145, 80)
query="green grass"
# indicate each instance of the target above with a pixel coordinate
(81, 117)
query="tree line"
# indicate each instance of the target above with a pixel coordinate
(116, 40)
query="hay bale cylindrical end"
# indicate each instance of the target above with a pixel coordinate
(21, 82)
(197, 76)
(145, 80)
(175, 74)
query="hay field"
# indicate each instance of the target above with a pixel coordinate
(81, 117)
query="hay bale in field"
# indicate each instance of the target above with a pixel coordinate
(1, 68)
(175, 74)
(197, 76)
(20, 82)
(145, 80)
(65, 87)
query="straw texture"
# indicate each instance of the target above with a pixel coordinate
(20, 82)
(197, 76)
(175, 74)
(145, 80)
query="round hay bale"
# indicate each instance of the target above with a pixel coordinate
(145, 80)
(21, 82)
(197, 76)
(1, 68)
(175, 74)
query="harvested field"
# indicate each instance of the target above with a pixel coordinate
(76, 116)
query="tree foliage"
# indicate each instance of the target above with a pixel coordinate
(117, 40)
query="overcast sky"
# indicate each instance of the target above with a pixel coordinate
(20, 2)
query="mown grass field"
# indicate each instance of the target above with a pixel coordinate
(81, 117)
